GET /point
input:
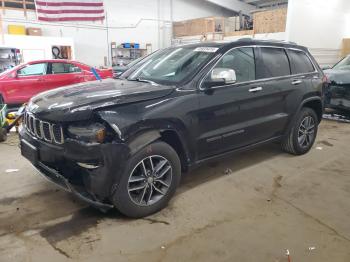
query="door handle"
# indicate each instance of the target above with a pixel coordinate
(296, 82)
(255, 89)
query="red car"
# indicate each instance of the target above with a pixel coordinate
(22, 82)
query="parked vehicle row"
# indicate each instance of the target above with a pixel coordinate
(126, 142)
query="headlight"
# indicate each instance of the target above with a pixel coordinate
(92, 133)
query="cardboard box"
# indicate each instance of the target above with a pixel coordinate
(34, 31)
(16, 30)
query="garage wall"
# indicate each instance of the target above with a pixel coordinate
(127, 21)
(319, 25)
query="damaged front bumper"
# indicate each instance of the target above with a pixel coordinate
(53, 176)
(89, 171)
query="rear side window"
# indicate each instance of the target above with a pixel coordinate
(299, 62)
(64, 68)
(274, 63)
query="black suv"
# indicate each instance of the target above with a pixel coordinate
(125, 143)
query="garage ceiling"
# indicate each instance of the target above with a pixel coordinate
(266, 3)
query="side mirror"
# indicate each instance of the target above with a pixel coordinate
(220, 76)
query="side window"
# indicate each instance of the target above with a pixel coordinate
(299, 62)
(242, 61)
(33, 70)
(274, 63)
(64, 68)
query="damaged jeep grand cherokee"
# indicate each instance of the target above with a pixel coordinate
(125, 143)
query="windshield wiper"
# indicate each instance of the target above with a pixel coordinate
(138, 79)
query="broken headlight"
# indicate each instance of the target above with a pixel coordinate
(91, 133)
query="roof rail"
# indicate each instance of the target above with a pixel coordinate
(267, 40)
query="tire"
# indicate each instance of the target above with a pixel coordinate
(3, 135)
(292, 142)
(148, 198)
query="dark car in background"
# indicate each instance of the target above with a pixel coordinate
(126, 142)
(337, 95)
(118, 70)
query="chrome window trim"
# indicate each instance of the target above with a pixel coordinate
(262, 79)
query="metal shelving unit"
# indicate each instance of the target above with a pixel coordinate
(9, 57)
(123, 56)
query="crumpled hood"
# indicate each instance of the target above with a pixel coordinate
(77, 102)
(340, 77)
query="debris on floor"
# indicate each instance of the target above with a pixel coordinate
(288, 255)
(11, 170)
(319, 147)
(312, 248)
(228, 171)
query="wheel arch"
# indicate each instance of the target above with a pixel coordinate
(169, 136)
(316, 105)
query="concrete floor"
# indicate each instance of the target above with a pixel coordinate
(270, 202)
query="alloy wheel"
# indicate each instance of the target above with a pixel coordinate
(150, 180)
(306, 132)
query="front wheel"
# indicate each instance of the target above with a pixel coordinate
(302, 135)
(150, 180)
(3, 135)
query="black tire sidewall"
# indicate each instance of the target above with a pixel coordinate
(121, 198)
(304, 113)
(3, 135)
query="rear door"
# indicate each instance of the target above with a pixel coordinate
(305, 76)
(63, 74)
(273, 69)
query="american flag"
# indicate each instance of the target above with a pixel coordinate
(69, 10)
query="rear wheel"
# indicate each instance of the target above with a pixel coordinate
(149, 181)
(302, 135)
(3, 134)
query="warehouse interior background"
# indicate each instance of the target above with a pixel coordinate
(150, 22)
(255, 205)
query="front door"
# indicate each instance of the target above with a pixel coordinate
(227, 111)
(27, 82)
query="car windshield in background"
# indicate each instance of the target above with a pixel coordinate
(173, 65)
(343, 64)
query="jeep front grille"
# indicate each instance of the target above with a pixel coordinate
(43, 130)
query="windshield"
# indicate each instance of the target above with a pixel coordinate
(173, 65)
(343, 64)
